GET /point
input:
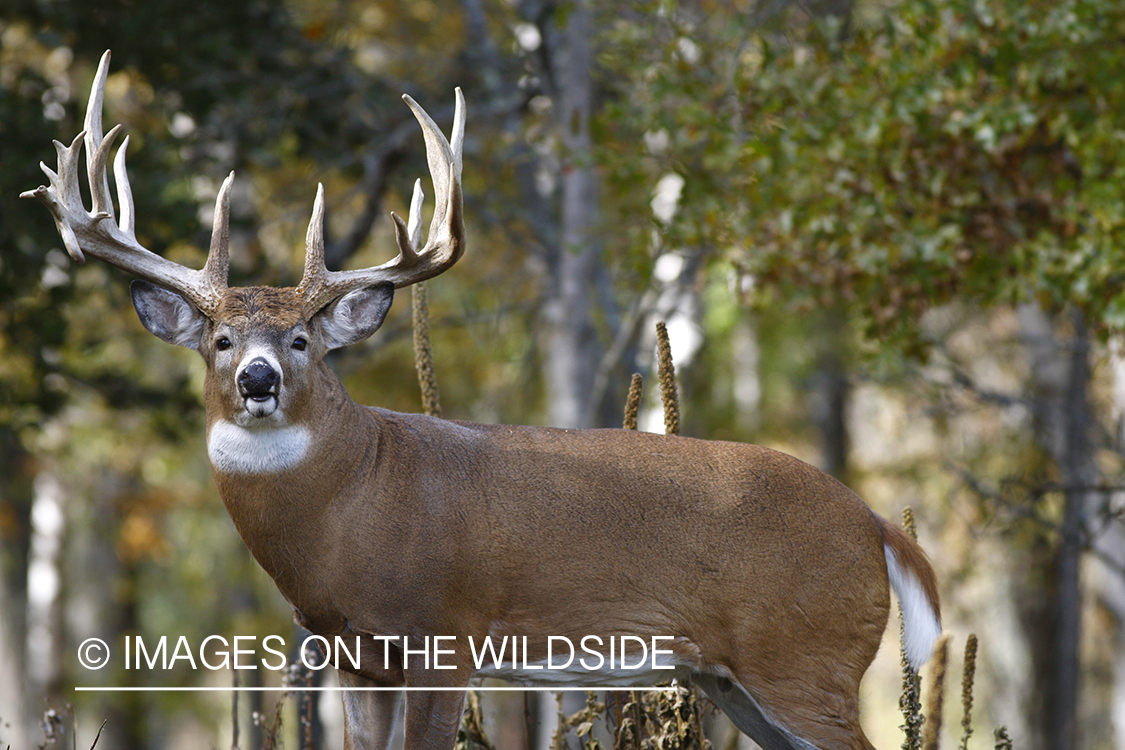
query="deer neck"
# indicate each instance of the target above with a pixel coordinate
(277, 481)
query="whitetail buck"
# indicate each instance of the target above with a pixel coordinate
(769, 576)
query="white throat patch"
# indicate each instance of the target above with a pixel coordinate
(265, 450)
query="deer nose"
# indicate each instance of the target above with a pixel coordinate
(258, 379)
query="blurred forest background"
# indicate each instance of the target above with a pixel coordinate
(887, 237)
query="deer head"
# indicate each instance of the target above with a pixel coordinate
(262, 345)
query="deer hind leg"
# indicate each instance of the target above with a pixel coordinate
(770, 722)
(370, 716)
(741, 708)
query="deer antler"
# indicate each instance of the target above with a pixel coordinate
(444, 244)
(96, 233)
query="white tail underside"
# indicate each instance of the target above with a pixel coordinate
(921, 627)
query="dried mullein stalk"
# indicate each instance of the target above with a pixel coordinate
(667, 371)
(936, 696)
(423, 351)
(910, 700)
(678, 721)
(968, 673)
(911, 705)
(633, 402)
(582, 722)
(631, 727)
(908, 523)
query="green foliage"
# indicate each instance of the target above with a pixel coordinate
(950, 149)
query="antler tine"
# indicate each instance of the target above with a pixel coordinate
(446, 240)
(128, 220)
(95, 232)
(316, 275)
(442, 157)
(97, 148)
(217, 268)
(414, 225)
(62, 193)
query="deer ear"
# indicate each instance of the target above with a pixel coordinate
(167, 315)
(356, 315)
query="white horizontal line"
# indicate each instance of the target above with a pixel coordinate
(489, 689)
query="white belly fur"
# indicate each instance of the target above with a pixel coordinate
(578, 672)
(580, 677)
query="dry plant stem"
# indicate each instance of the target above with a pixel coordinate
(585, 729)
(633, 401)
(910, 700)
(306, 721)
(631, 728)
(558, 739)
(423, 351)
(54, 725)
(968, 673)
(910, 703)
(678, 725)
(270, 731)
(582, 721)
(471, 736)
(1002, 740)
(936, 696)
(697, 712)
(908, 523)
(97, 736)
(674, 704)
(667, 372)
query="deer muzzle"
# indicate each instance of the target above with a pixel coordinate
(258, 384)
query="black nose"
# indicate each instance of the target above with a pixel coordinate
(258, 379)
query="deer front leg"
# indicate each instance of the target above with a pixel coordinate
(369, 715)
(433, 718)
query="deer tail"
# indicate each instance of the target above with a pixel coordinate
(915, 585)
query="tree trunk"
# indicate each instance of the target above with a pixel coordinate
(572, 350)
(44, 639)
(15, 510)
(1060, 374)
(1107, 574)
(14, 720)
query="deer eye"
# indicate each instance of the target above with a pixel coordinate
(222, 343)
(300, 343)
